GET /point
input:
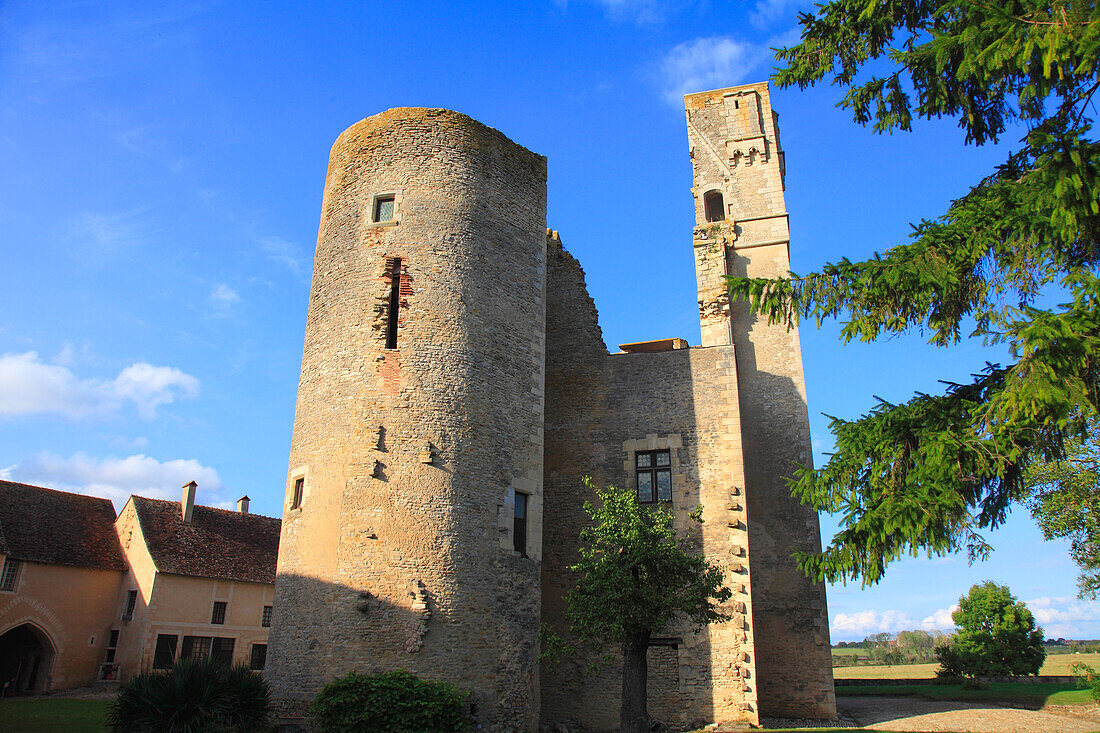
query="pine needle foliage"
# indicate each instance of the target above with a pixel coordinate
(930, 474)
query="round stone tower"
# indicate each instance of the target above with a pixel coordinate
(411, 534)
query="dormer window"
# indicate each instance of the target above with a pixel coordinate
(714, 206)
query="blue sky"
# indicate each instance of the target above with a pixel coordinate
(161, 171)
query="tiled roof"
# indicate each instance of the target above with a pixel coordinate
(218, 544)
(58, 528)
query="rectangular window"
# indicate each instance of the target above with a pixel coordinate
(218, 614)
(165, 653)
(299, 489)
(266, 620)
(259, 657)
(383, 209)
(519, 527)
(112, 644)
(654, 476)
(196, 647)
(131, 604)
(393, 313)
(222, 651)
(10, 573)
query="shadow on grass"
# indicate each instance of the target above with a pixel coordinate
(46, 715)
(1021, 695)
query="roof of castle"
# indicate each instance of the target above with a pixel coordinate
(58, 528)
(218, 544)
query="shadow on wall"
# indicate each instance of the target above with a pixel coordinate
(788, 608)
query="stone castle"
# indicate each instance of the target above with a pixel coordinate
(455, 389)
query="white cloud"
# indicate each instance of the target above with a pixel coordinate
(223, 297)
(149, 386)
(285, 253)
(716, 62)
(941, 619)
(767, 12)
(640, 11)
(110, 233)
(708, 63)
(866, 622)
(115, 478)
(1065, 616)
(30, 387)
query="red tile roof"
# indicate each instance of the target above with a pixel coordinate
(218, 543)
(58, 528)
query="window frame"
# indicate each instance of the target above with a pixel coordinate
(170, 648)
(265, 617)
(131, 605)
(9, 575)
(112, 645)
(379, 200)
(708, 197)
(217, 613)
(519, 522)
(252, 656)
(298, 492)
(653, 468)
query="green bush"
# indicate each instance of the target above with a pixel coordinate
(392, 701)
(193, 696)
(997, 636)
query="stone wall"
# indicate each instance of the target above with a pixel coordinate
(400, 555)
(734, 141)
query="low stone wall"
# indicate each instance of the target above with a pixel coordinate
(1040, 679)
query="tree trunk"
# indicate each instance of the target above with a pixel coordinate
(634, 717)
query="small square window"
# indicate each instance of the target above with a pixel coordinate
(383, 209)
(10, 573)
(265, 621)
(218, 615)
(653, 472)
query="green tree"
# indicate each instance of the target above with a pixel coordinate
(1066, 503)
(635, 577)
(997, 636)
(930, 474)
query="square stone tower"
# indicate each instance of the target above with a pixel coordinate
(741, 229)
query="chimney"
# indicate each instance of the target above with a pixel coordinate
(187, 503)
(242, 504)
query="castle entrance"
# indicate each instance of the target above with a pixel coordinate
(26, 656)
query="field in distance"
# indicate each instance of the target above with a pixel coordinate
(1056, 664)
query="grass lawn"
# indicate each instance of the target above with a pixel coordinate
(45, 715)
(1013, 694)
(1056, 664)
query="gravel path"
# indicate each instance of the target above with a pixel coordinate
(914, 714)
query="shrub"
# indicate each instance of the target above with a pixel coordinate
(392, 701)
(997, 636)
(195, 695)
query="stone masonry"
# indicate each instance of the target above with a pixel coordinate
(454, 374)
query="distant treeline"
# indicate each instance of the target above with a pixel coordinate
(919, 647)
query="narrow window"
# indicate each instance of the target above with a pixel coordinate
(112, 645)
(299, 488)
(266, 620)
(221, 651)
(10, 573)
(259, 657)
(519, 528)
(165, 653)
(654, 474)
(714, 205)
(131, 604)
(383, 209)
(218, 615)
(196, 647)
(395, 303)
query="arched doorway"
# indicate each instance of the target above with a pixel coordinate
(26, 656)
